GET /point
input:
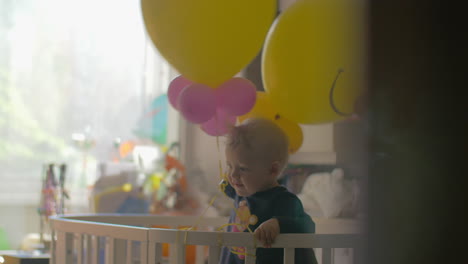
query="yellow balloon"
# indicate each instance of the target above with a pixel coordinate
(313, 46)
(263, 108)
(208, 41)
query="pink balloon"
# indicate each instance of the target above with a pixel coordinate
(175, 88)
(219, 124)
(236, 96)
(197, 103)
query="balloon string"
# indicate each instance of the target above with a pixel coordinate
(332, 102)
(222, 176)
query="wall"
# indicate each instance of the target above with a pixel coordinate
(18, 221)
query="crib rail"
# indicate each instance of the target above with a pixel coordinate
(129, 239)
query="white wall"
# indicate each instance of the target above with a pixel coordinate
(17, 221)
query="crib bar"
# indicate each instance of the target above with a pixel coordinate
(288, 256)
(61, 249)
(151, 253)
(88, 248)
(143, 252)
(158, 252)
(180, 253)
(64, 247)
(199, 254)
(94, 250)
(213, 256)
(172, 254)
(53, 245)
(119, 251)
(250, 253)
(172, 247)
(129, 255)
(110, 247)
(328, 256)
(79, 248)
(70, 247)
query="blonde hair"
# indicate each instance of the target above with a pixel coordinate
(263, 138)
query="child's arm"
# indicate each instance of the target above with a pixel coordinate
(267, 232)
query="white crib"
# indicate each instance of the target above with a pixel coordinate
(130, 239)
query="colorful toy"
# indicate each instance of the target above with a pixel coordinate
(153, 124)
(53, 196)
(170, 190)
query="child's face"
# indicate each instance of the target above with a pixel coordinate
(248, 173)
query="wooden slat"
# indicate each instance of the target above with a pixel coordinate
(119, 251)
(249, 258)
(129, 255)
(95, 250)
(158, 253)
(79, 248)
(179, 253)
(69, 247)
(200, 255)
(318, 254)
(61, 249)
(143, 252)
(213, 254)
(109, 251)
(95, 247)
(88, 248)
(174, 239)
(151, 253)
(288, 256)
(328, 256)
(53, 245)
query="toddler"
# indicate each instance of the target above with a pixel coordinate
(256, 154)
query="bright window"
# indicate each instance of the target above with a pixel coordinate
(70, 67)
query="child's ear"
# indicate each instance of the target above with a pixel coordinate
(275, 168)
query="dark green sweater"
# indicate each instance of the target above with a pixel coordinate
(277, 203)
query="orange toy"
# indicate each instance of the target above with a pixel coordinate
(190, 250)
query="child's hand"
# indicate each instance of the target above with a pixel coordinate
(267, 232)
